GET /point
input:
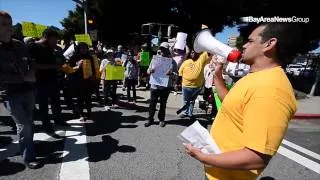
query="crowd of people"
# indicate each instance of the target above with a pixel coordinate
(248, 128)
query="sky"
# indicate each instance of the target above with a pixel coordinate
(51, 12)
(46, 12)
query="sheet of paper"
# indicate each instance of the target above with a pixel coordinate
(160, 65)
(199, 137)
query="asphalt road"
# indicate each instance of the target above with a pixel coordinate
(117, 146)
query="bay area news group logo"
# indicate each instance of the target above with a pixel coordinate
(262, 19)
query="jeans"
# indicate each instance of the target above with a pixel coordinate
(110, 91)
(131, 84)
(163, 94)
(21, 106)
(187, 93)
(46, 92)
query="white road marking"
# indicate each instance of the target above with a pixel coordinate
(301, 149)
(75, 165)
(300, 159)
(13, 148)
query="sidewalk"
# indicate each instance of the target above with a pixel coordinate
(308, 107)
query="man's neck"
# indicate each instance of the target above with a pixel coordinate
(262, 64)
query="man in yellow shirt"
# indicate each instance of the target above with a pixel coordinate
(255, 113)
(191, 72)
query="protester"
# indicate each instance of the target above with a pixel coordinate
(209, 85)
(160, 93)
(110, 86)
(131, 76)
(43, 51)
(191, 72)
(17, 77)
(254, 116)
(83, 79)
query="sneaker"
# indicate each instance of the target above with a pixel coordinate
(107, 108)
(162, 124)
(33, 164)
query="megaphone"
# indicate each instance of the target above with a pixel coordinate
(204, 41)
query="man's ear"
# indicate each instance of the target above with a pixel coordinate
(270, 44)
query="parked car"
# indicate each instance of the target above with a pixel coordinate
(294, 69)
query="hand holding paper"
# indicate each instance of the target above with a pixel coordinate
(199, 137)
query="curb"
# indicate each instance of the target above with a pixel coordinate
(306, 116)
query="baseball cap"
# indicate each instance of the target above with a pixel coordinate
(165, 45)
(109, 51)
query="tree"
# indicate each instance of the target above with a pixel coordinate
(189, 15)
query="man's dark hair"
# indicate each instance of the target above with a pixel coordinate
(289, 36)
(5, 15)
(50, 32)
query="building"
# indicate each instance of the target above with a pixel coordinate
(232, 41)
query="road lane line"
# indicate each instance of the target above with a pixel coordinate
(13, 148)
(301, 149)
(300, 159)
(74, 164)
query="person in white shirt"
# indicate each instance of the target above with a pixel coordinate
(237, 70)
(209, 84)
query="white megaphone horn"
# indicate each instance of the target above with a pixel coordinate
(204, 41)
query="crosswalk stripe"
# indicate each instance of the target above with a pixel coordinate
(301, 149)
(299, 159)
(13, 148)
(75, 165)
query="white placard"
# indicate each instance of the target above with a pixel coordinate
(160, 65)
(199, 137)
(181, 41)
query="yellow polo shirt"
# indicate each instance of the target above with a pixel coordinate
(254, 114)
(192, 71)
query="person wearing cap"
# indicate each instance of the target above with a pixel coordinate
(255, 114)
(160, 93)
(191, 72)
(109, 86)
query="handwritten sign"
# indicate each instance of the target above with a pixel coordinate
(114, 72)
(145, 58)
(84, 38)
(160, 65)
(31, 29)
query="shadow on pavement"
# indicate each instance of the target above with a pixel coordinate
(267, 178)
(9, 168)
(5, 140)
(99, 151)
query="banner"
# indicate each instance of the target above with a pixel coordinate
(114, 72)
(145, 58)
(84, 38)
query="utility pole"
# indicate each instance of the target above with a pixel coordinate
(84, 5)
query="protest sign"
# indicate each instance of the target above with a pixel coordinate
(84, 38)
(145, 58)
(114, 72)
(160, 65)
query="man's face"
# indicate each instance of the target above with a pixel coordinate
(6, 29)
(253, 49)
(194, 55)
